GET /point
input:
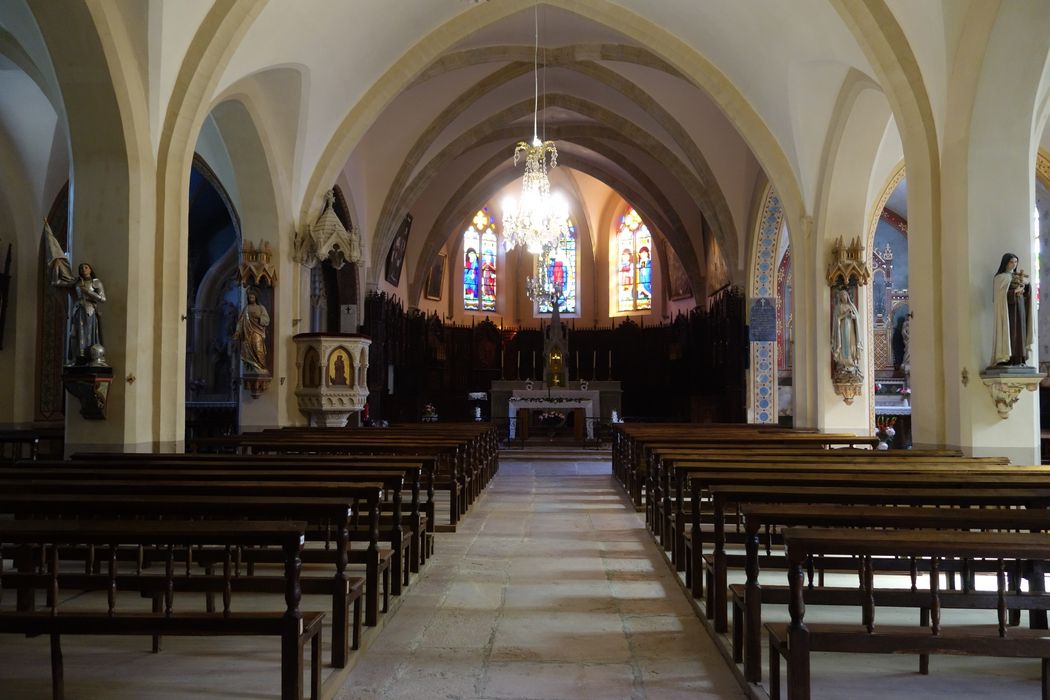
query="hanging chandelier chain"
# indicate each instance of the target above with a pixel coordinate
(538, 220)
(536, 73)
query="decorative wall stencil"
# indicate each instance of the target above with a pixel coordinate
(764, 353)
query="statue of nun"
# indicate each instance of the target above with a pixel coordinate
(1012, 303)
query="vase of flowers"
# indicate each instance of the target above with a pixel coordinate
(885, 431)
(429, 413)
(905, 393)
(551, 419)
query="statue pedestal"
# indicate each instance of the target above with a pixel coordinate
(1006, 383)
(90, 385)
(333, 376)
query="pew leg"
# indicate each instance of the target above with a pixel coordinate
(738, 634)
(158, 607)
(58, 681)
(315, 664)
(774, 669)
(408, 570)
(1046, 679)
(372, 594)
(357, 623)
(1015, 586)
(340, 628)
(386, 588)
(396, 561)
(209, 597)
(924, 659)
(453, 502)
(1037, 584)
(292, 664)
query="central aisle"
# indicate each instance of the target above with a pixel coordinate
(551, 588)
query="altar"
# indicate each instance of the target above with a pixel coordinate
(558, 400)
(597, 399)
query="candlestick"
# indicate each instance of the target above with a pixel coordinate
(532, 370)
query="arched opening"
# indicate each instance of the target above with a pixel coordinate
(213, 303)
(890, 331)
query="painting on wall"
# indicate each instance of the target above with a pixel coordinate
(436, 278)
(717, 270)
(396, 257)
(679, 286)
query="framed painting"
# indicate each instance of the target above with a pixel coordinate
(396, 257)
(436, 278)
(678, 280)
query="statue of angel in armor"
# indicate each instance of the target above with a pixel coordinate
(85, 346)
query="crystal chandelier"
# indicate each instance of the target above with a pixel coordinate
(538, 219)
(543, 288)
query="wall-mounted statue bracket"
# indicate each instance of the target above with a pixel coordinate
(90, 386)
(1006, 383)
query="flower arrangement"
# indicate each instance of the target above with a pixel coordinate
(551, 417)
(882, 423)
(904, 391)
(429, 413)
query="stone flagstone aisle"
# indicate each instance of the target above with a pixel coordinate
(550, 589)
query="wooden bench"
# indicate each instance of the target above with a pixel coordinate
(328, 516)
(671, 519)
(454, 473)
(936, 490)
(294, 627)
(392, 479)
(797, 639)
(419, 475)
(748, 598)
(376, 560)
(27, 443)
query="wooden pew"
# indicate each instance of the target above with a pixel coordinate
(375, 560)
(936, 491)
(27, 443)
(294, 627)
(391, 529)
(748, 599)
(321, 515)
(455, 473)
(635, 471)
(797, 639)
(421, 514)
(670, 521)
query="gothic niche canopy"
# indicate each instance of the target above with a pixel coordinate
(327, 240)
(847, 271)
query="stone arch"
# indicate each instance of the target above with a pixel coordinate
(484, 183)
(997, 190)
(668, 48)
(108, 126)
(858, 124)
(209, 51)
(883, 41)
(712, 200)
(257, 174)
(487, 133)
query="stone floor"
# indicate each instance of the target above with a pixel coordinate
(551, 588)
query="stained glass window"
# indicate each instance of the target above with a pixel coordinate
(479, 263)
(634, 265)
(560, 268)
